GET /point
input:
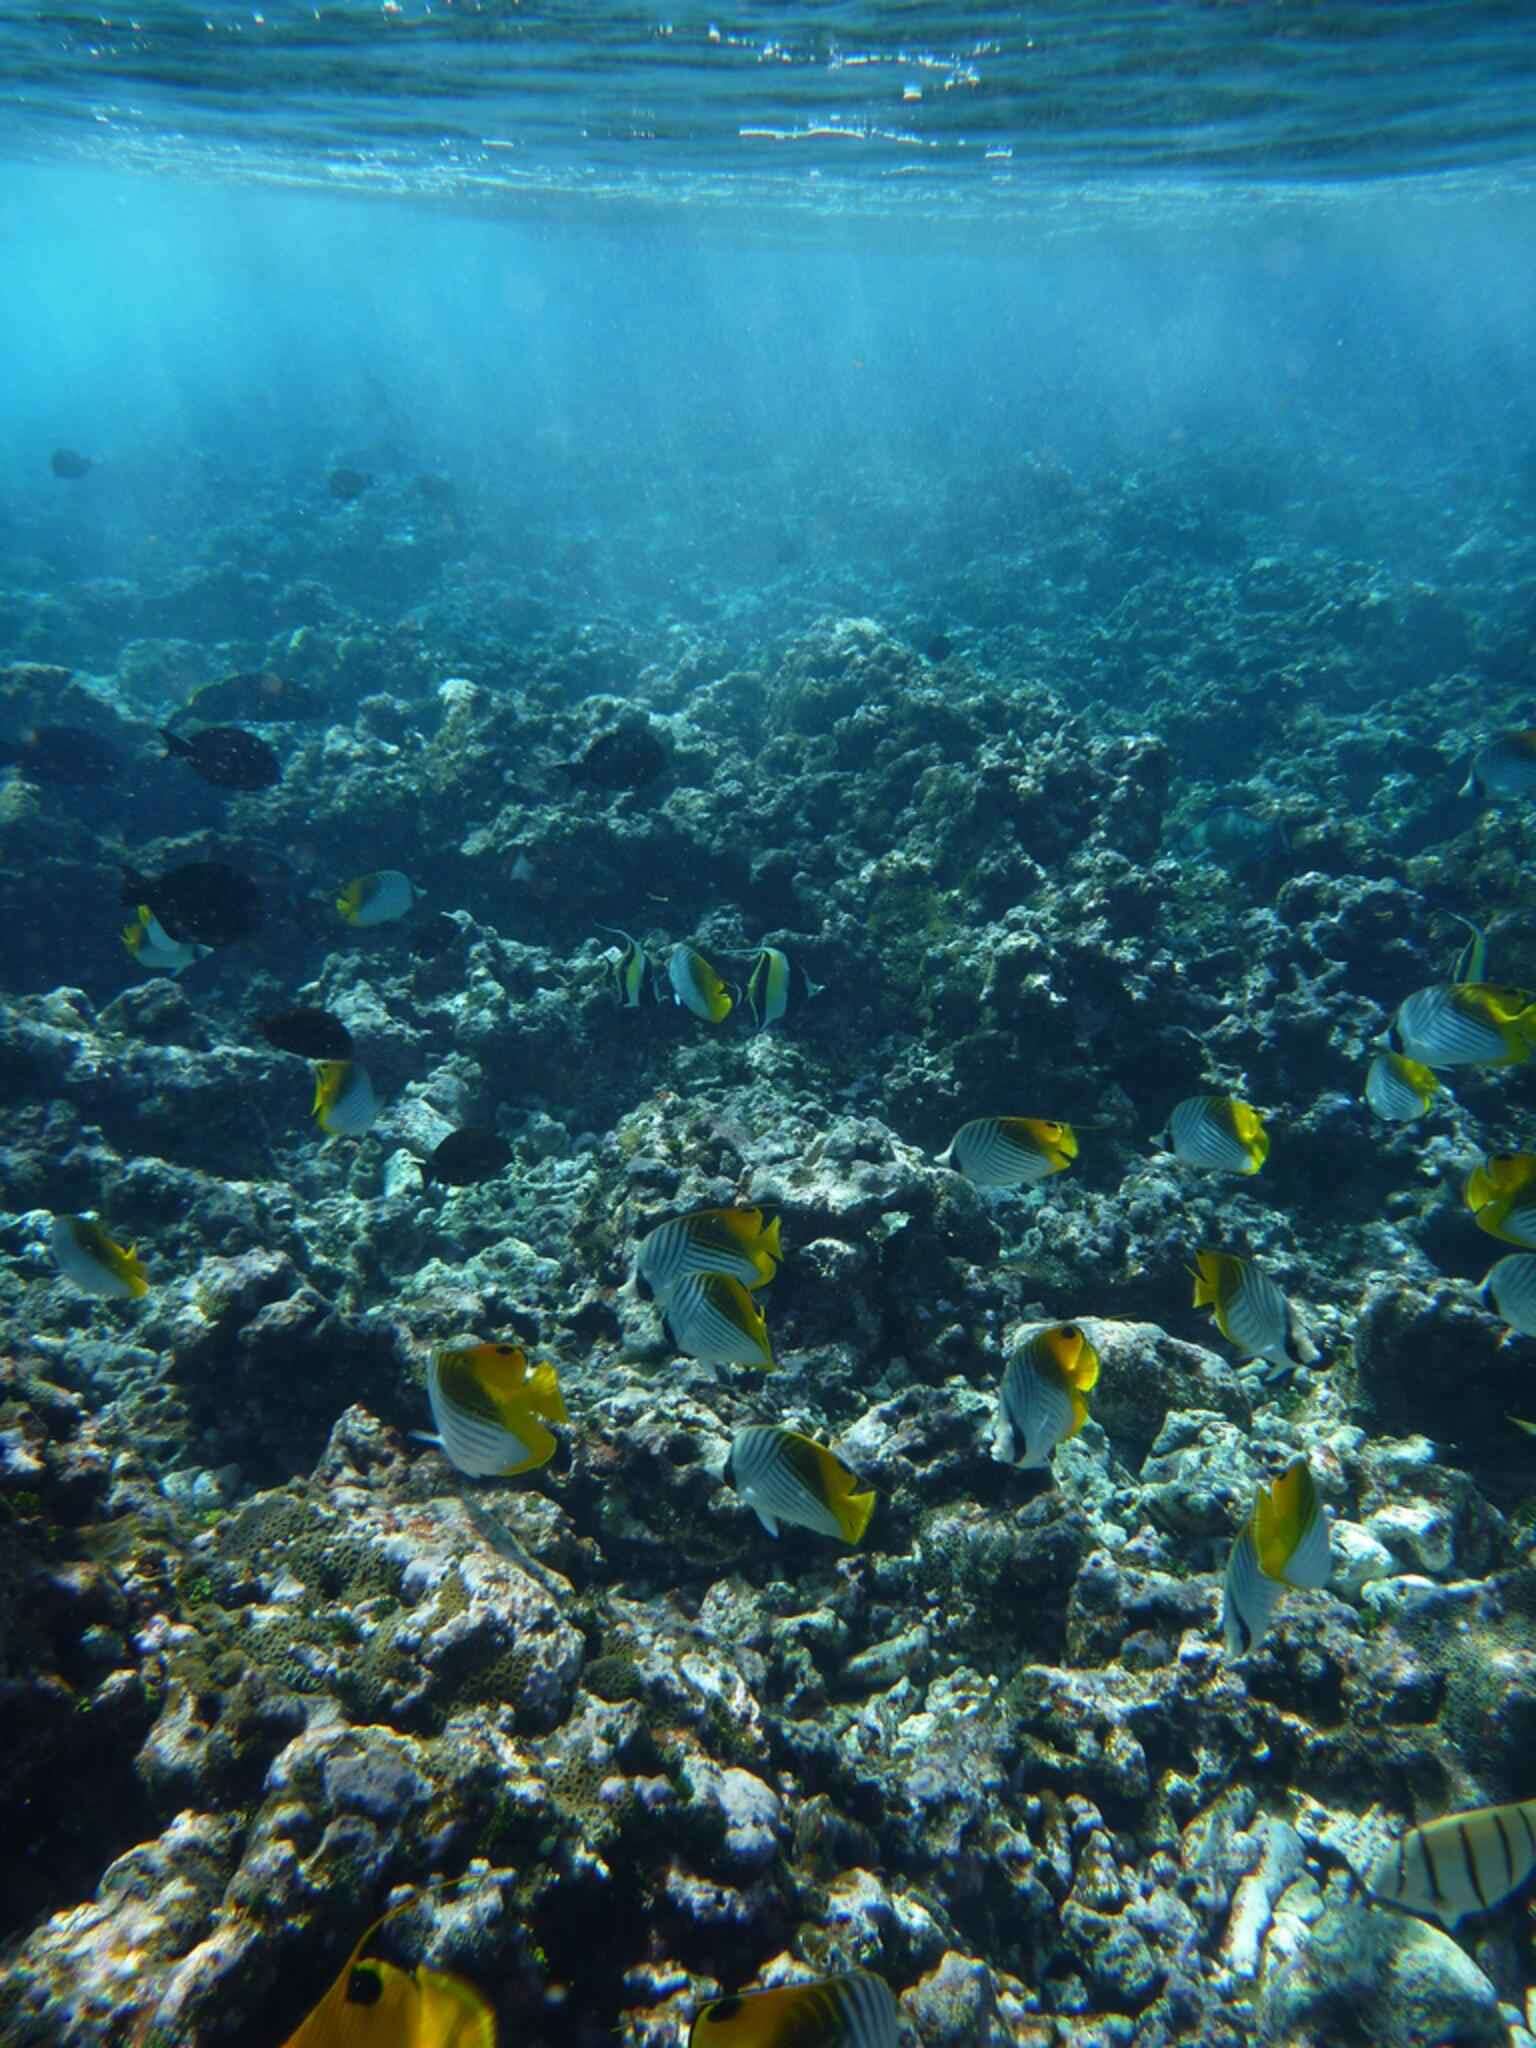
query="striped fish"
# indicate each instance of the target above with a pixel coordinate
(1246, 1306)
(855, 2010)
(712, 1318)
(345, 1103)
(786, 1477)
(1511, 1287)
(1505, 767)
(1010, 1151)
(734, 1241)
(1041, 1401)
(1467, 1024)
(1219, 1132)
(1501, 1193)
(768, 986)
(490, 1410)
(628, 965)
(96, 1263)
(376, 899)
(696, 985)
(1399, 1089)
(1463, 1863)
(1283, 1543)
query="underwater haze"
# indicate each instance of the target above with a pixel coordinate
(768, 1194)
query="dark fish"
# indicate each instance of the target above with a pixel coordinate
(206, 902)
(464, 1157)
(312, 1033)
(940, 647)
(67, 462)
(1234, 838)
(348, 484)
(61, 753)
(256, 694)
(628, 757)
(225, 756)
(437, 490)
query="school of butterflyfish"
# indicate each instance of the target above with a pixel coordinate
(706, 1272)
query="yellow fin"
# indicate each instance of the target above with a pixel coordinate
(1281, 1515)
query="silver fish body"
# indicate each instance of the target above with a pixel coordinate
(778, 1481)
(1437, 1029)
(1463, 1863)
(1201, 1134)
(1511, 1287)
(1390, 1095)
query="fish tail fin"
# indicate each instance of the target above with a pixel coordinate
(174, 743)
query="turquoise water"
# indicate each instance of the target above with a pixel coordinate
(988, 541)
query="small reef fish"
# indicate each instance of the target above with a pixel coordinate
(1283, 1543)
(1501, 1193)
(786, 1477)
(256, 694)
(768, 986)
(67, 755)
(1219, 1132)
(712, 1317)
(206, 902)
(1472, 960)
(770, 983)
(69, 463)
(733, 1241)
(374, 2004)
(1042, 1398)
(1463, 1863)
(1511, 1287)
(347, 484)
(1247, 1307)
(378, 898)
(853, 2010)
(1010, 1151)
(225, 756)
(1233, 838)
(1400, 1089)
(468, 1156)
(309, 1032)
(1505, 767)
(696, 985)
(629, 968)
(96, 1264)
(345, 1103)
(627, 757)
(154, 949)
(1468, 1024)
(491, 1410)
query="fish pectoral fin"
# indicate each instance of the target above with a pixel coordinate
(768, 1521)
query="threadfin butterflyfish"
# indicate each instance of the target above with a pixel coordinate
(1467, 1024)
(1010, 1151)
(155, 950)
(96, 1264)
(1462, 1863)
(628, 965)
(786, 1477)
(491, 1409)
(734, 1241)
(1246, 1306)
(1511, 1288)
(345, 1103)
(1399, 1089)
(1041, 1401)
(1501, 1193)
(1218, 1132)
(696, 986)
(1505, 767)
(1283, 1543)
(853, 2010)
(375, 2004)
(378, 898)
(712, 1317)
